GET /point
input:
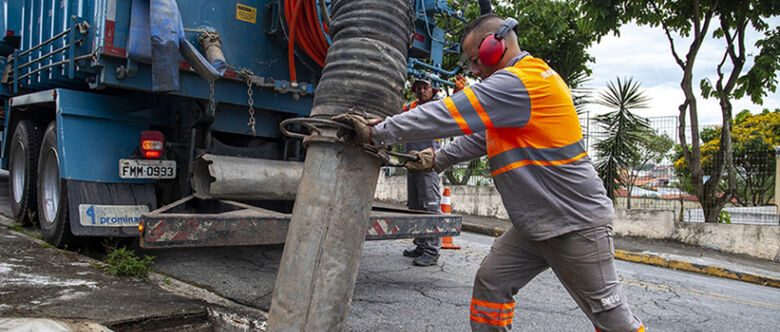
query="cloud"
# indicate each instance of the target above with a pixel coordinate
(644, 54)
(666, 99)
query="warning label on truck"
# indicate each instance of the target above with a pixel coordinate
(246, 13)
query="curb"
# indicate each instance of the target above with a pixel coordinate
(715, 271)
(656, 260)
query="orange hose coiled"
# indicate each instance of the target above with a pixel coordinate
(304, 31)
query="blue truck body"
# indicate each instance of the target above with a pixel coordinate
(85, 66)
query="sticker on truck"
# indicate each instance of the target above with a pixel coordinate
(111, 215)
(147, 169)
(246, 13)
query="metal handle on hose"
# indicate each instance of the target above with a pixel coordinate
(314, 125)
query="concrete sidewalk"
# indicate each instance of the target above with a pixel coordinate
(666, 254)
(74, 294)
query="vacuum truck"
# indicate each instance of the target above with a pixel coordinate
(160, 119)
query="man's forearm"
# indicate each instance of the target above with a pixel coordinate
(425, 122)
(463, 148)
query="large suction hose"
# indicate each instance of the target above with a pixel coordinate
(365, 70)
(366, 65)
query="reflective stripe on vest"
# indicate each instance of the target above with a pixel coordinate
(519, 157)
(467, 111)
(552, 135)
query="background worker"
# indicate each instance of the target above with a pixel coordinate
(423, 187)
(521, 115)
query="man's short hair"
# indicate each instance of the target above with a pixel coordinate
(479, 21)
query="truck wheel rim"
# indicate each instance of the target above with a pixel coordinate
(51, 186)
(17, 172)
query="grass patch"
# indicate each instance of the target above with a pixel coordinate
(31, 215)
(46, 245)
(19, 228)
(124, 262)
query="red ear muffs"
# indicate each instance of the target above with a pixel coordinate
(491, 50)
(493, 47)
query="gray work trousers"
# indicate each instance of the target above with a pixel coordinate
(423, 194)
(583, 261)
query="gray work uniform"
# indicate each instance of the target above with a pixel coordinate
(423, 192)
(523, 118)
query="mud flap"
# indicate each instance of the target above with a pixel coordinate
(128, 199)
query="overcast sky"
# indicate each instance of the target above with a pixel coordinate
(644, 54)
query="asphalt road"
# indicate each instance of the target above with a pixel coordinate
(393, 295)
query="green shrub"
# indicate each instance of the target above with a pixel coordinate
(123, 262)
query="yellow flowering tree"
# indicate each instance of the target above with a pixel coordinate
(753, 140)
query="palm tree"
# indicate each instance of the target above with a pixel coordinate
(624, 130)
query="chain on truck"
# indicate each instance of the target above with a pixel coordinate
(163, 116)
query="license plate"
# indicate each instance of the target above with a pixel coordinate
(111, 215)
(147, 169)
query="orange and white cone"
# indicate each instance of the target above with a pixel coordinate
(446, 207)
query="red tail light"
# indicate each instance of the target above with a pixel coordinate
(151, 144)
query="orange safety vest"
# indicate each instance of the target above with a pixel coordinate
(410, 105)
(552, 135)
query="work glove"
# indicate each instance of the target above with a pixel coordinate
(424, 162)
(361, 124)
(460, 82)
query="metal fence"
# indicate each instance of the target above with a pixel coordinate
(657, 185)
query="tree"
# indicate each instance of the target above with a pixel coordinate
(693, 18)
(652, 148)
(754, 138)
(625, 130)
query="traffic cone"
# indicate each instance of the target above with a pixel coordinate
(446, 241)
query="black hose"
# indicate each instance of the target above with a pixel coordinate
(485, 7)
(366, 65)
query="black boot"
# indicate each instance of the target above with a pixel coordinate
(426, 259)
(416, 252)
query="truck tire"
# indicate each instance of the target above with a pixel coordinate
(23, 170)
(52, 193)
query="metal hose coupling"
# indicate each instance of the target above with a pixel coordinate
(323, 130)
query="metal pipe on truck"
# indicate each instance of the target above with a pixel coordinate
(364, 70)
(241, 178)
